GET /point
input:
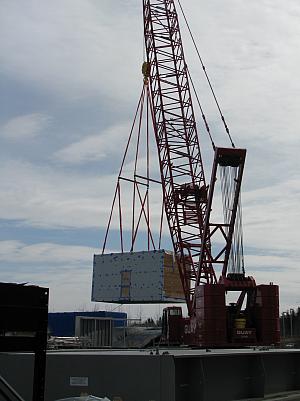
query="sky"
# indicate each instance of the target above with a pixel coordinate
(70, 79)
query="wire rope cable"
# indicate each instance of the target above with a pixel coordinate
(228, 177)
(206, 75)
(201, 109)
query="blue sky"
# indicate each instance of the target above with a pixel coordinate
(70, 80)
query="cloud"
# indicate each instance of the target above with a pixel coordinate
(250, 57)
(81, 56)
(65, 270)
(268, 263)
(272, 217)
(68, 47)
(25, 126)
(44, 253)
(95, 147)
(49, 197)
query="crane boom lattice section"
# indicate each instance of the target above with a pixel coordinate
(182, 174)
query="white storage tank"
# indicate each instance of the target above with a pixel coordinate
(136, 277)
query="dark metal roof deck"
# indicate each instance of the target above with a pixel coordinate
(171, 375)
(178, 352)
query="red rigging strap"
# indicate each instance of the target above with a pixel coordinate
(181, 168)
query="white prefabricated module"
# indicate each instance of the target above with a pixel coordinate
(136, 277)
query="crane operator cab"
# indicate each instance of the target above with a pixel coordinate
(172, 325)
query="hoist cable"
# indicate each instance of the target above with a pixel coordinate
(202, 111)
(228, 177)
(206, 75)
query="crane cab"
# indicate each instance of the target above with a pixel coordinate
(172, 325)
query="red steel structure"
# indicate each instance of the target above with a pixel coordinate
(182, 173)
(188, 203)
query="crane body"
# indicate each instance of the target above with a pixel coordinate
(254, 317)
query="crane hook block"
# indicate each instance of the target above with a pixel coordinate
(146, 71)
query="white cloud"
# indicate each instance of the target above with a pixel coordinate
(250, 57)
(52, 198)
(25, 126)
(44, 253)
(66, 270)
(95, 147)
(268, 264)
(47, 197)
(91, 50)
(72, 48)
(272, 217)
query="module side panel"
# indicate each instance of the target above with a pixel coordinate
(130, 277)
(172, 283)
